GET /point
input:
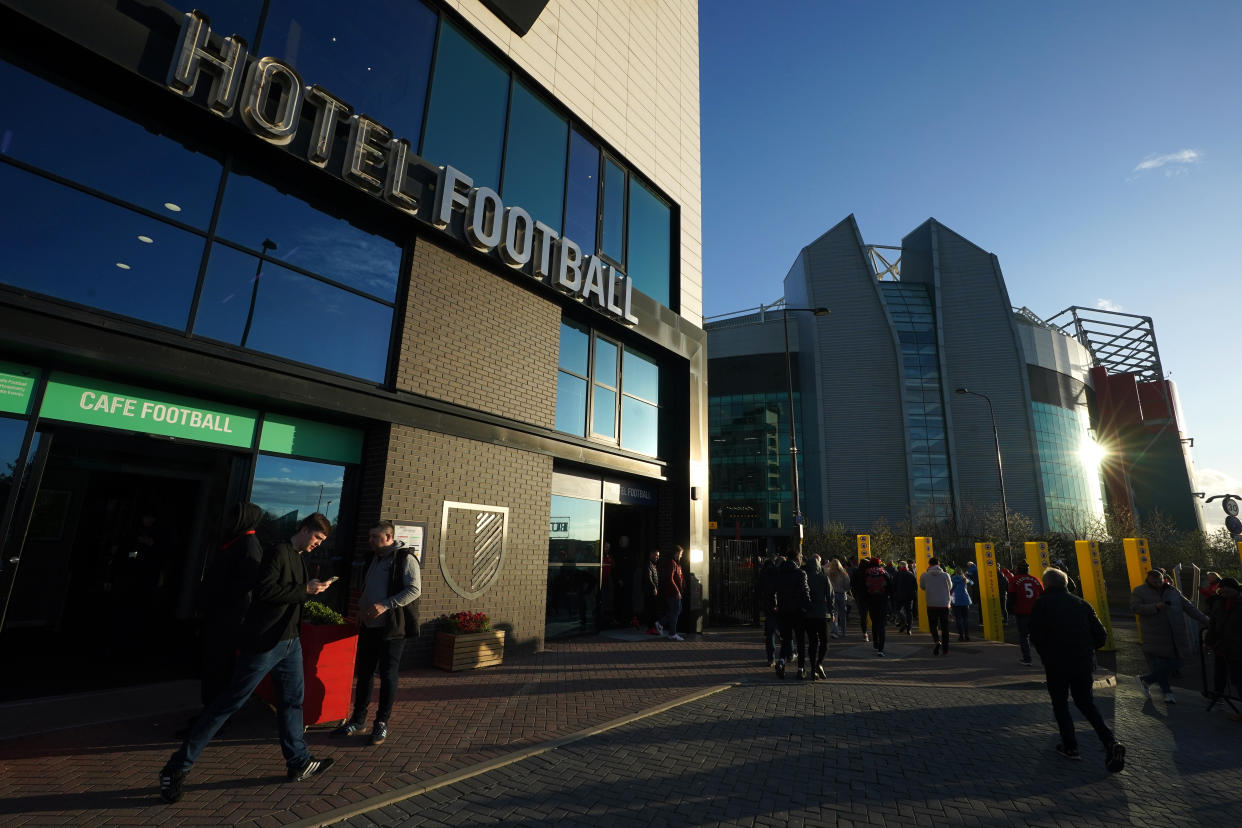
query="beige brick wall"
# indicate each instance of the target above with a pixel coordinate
(425, 469)
(475, 339)
(629, 69)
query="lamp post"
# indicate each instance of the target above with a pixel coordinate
(793, 423)
(267, 245)
(1000, 468)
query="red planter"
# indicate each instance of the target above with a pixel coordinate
(328, 663)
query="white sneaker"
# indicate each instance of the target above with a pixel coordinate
(676, 637)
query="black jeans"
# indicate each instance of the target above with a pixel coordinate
(938, 622)
(876, 608)
(791, 625)
(816, 640)
(771, 633)
(1024, 636)
(374, 650)
(1061, 684)
(905, 614)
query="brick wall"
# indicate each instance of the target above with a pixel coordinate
(423, 470)
(477, 340)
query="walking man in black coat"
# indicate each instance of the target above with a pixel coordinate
(1066, 633)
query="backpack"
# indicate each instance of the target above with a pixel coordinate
(876, 581)
(395, 584)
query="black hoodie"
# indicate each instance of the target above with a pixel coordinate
(234, 567)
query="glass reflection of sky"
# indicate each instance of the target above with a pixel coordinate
(283, 485)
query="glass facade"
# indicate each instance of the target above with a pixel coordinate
(618, 386)
(574, 565)
(749, 436)
(288, 490)
(909, 305)
(1071, 478)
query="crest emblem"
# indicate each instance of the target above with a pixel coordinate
(473, 538)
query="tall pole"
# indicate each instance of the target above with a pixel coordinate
(267, 245)
(1000, 470)
(793, 433)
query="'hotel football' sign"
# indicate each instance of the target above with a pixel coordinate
(269, 95)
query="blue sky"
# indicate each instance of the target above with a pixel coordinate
(1094, 147)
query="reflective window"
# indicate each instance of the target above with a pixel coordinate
(749, 439)
(73, 246)
(582, 192)
(571, 404)
(376, 57)
(45, 126)
(239, 17)
(535, 158)
(647, 246)
(642, 376)
(12, 431)
(640, 426)
(605, 362)
(574, 546)
(612, 243)
(604, 412)
(254, 212)
(466, 114)
(288, 490)
(261, 305)
(575, 348)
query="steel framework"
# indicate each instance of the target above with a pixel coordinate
(1124, 343)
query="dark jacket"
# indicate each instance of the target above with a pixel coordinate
(276, 605)
(672, 579)
(769, 582)
(793, 594)
(873, 569)
(1225, 626)
(225, 592)
(402, 586)
(905, 587)
(1066, 632)
(821, 590)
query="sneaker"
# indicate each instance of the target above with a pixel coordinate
(1025, 661)
(866, 636)
(1169, 698)
(1144, 687)
(170, 784)
(819, 671)
(676, 637)
(379, 733)
(659, 628)
(313, 767)
(936, 651)
(1068, 753)
(780, 669)
(771, 664)
(348, 729)
(880, 653)
(1115, 760)
(801, 674)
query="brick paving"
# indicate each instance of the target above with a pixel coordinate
(905, 719)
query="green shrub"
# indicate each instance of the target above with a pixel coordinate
(314, 612)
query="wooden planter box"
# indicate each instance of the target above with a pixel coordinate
(465, 652)
(328, 664)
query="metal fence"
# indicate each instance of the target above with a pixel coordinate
(733, 572)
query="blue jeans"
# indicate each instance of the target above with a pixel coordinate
(1024, 636)
(840, 616)
(771, 634)
(284, 662)
(673, 602)
(1161, 668)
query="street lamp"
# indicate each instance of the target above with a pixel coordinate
(1000, 468)
(267, 245)
(793, 423)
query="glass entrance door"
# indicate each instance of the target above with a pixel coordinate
(574, 544)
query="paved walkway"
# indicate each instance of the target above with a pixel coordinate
(447, 726)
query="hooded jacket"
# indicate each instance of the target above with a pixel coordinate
(1163, 630)
(1066, 632)
(820, 589)
(393, 579)
(935, 582)
(224, 594)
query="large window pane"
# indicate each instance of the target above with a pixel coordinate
(253, 212)
(376, 57)
(575, 348)
(571, 404)
(288, 490)
(44, 125)
(292, 316)
(648, 247)
(535, 158)
(12, 431)
(66, 244)
(466, 115)
(605, 362)
(640, 426)
(641, 376)
(604, 413)
(573, 565)
(613, 227)
(582, 192)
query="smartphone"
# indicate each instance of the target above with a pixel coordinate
(333, 579)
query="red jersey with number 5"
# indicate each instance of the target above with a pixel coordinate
(1025, 588)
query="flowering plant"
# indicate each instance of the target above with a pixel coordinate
(465, 622)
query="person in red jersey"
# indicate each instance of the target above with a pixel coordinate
(1024, 590)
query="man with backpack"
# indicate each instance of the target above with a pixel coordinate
(1024, 591)
(393, 582)
(877, 586)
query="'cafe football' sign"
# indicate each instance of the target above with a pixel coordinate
(269, 95)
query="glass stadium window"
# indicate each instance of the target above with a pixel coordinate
(535, 159)
(612, 225)
(582, 191)
(647, 244)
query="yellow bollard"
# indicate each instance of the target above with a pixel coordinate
(923, 554)
(864, 547)
(1091, 581)
(989, 592)
(1138, 564)
(1037, 557)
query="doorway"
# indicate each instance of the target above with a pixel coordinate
(112, 555)
(629, 536)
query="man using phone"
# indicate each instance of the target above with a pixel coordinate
(269, 643)
(392, 583)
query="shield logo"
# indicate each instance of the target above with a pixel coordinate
(473, 538)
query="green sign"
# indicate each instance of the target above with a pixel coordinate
(16, 384)
(302, 438)
(80, 400)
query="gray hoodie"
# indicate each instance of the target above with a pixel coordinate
(937, 584)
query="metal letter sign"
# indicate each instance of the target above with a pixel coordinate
(379, 163)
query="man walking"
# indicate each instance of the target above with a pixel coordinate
(877, 586)
(1162, 615)
(269, 643)
(793, 599)
(769, 582)
(937, 584)
(1024, 591)
(1066, 632)
(672, 587)
(393, 581)
(905, 590)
